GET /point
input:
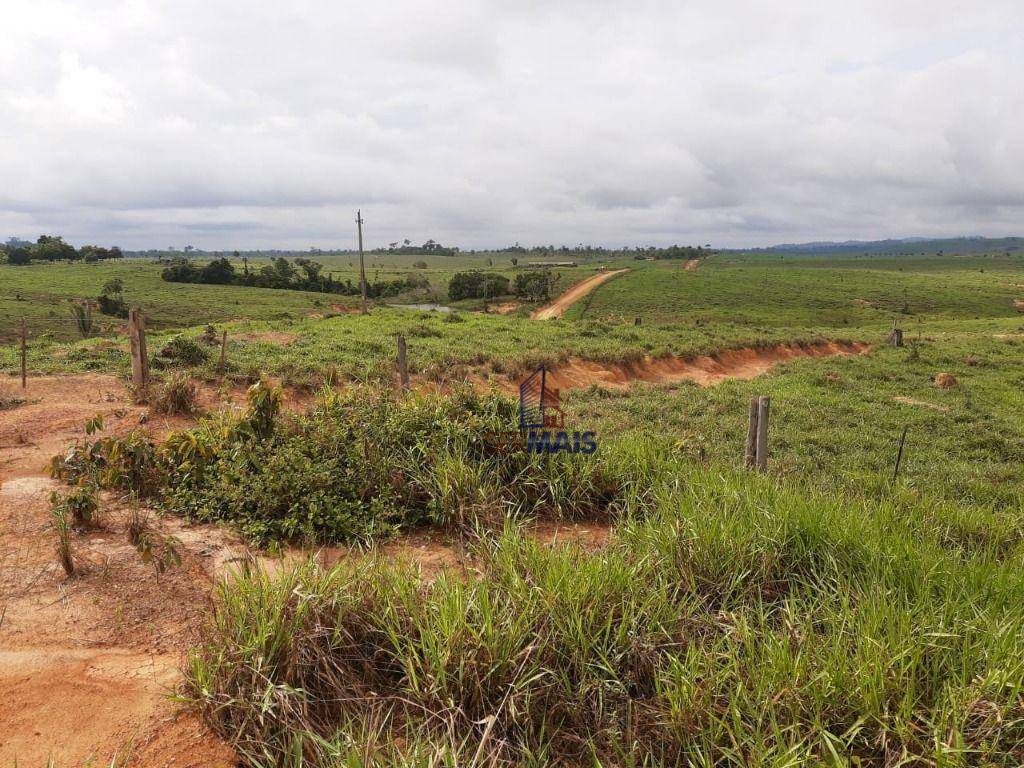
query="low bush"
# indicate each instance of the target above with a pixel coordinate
(182, 350)
(82, 504)
(359, 465)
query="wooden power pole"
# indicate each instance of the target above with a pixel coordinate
(362, 265)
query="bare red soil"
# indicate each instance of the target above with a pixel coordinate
(88, 664)
(704, 370)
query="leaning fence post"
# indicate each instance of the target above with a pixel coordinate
(750, 453)
(24, 354)
(763, 404)
(140, 361)
(899, 455)
(403, 363)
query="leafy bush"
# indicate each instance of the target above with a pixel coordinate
(477, 285)
(183, 350)
(126, 463)
(111, 301)
(533, 286)
(81, 503)
(358, 466)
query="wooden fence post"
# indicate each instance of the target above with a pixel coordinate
(403, 363)
(140, 360)
(763, 404)
(750, 453)
(223, 351)
(24, 353)
(896, 337)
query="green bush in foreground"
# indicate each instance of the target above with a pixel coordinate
(359, 465)
(740, 625)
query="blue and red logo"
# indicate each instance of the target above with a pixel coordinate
(542, 420)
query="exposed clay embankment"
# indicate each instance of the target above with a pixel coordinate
(705, 370)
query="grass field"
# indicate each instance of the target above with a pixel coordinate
(42, 293)
(824, 613)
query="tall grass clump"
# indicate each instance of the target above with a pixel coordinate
(739, 624)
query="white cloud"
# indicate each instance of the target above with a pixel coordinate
(151, 122)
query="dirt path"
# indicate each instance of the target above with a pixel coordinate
(558, 307)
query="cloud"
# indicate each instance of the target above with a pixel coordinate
(152, 122)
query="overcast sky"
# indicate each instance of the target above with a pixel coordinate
(266, 124)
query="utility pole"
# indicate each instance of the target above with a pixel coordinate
(362, 266)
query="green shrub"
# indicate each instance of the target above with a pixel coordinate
(358, 466)
(83, 505)
(183, 351)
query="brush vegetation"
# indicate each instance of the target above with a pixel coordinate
(735, 622)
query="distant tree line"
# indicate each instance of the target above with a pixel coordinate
(598, 251)
(531, 286)
(301, 275)
(406, 248)
(52, 248)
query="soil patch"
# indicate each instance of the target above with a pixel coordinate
(1019, 304)
(692, 264)
(705, 370)
(558, 307)
(505, 308)
(279, 338)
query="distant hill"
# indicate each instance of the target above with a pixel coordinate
(908, 245)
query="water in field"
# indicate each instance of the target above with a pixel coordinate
(423, 307)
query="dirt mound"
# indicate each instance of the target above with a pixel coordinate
(705, 370)
(945, 381)
(558, 307)
(692, 263)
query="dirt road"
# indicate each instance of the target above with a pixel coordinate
(558, 307)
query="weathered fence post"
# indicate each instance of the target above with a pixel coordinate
(140, 360)
(403, 363)
(763, 404)
(750, 453)
(223, 351)
(896, 337)
(24, 355)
